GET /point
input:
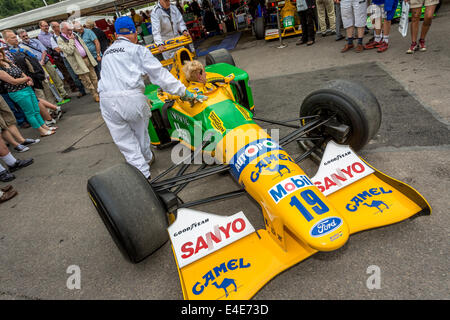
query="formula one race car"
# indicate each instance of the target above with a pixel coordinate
(224, 257)
(277, 18)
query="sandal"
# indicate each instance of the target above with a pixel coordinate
(7, 188)
(54, 128)
(48, 133)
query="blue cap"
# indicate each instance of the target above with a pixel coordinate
(124, 25)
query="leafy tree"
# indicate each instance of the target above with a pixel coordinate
(11, 7)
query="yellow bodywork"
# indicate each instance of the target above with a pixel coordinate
(240, 269)
(170, 44)
(301, 214)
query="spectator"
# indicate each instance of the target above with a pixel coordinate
(27, 61)
(45, 37)
(14, 107)
(38, 49)
(416, 10)
(376, 11)
(144, 16)
(179, 6)
(196, 9)
(18, 87)
(31, 67)
(9, 130)
(79, 58)
(137, 19)
(11, 162)
(44, 106)
(339, 25)
(7, 193)
(326, 6)
(390, 6)
(19, 56)
(91, 41)
(209, 19)
(305, 10)
(384, 9)
(101, 36)
(54, 42)
(354, 15)
(187, 7)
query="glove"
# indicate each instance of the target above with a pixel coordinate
(191, 96)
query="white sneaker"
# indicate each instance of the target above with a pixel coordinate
(21, 148)
(50, 122)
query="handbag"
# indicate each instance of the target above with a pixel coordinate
(404, 19)
(301, 5)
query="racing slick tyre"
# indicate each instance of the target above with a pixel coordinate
(130, 210)
(259, 28)
(219, 56)
(354, 106)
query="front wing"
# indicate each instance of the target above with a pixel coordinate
(225, 258)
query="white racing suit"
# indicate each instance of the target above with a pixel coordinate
(165, 27)
(123, 105)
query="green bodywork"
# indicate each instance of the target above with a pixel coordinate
(215, 118)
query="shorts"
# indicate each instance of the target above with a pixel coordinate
(420, 3)
(354, 13)
(390, 6)
(7, 117)
(376, 12)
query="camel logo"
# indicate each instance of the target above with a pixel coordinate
(360, 199)
(271, 163)
(377, 204)
(226, 284)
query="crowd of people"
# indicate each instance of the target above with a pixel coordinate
(71, 55)
(351, 15)
(35, 73)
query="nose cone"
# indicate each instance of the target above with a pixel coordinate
(328, 234)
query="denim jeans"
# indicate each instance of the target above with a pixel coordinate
(74, 76)
(15, 108)
(27, 100)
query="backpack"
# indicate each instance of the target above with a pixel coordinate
(23, 61)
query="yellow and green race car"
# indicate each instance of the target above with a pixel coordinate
(225, 257)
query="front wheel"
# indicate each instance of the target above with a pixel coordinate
(348, 104)
(130, 210)
(219, 56)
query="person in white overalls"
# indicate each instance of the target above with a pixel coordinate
(167, 23)
(123, 105)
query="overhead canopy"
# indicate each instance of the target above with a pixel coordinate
(62, 10)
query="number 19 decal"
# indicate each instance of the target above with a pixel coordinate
(311, 199)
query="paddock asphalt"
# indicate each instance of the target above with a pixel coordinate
(52, 225)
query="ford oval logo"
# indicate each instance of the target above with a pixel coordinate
(325, 226)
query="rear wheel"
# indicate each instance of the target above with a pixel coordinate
(219, 56)
(130, 210)
(259, 28)
(348, 104)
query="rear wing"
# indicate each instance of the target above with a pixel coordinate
(170, 44)
(224, 257)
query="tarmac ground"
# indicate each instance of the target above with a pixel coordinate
(52, 225)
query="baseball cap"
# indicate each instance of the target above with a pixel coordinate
(124, 25)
